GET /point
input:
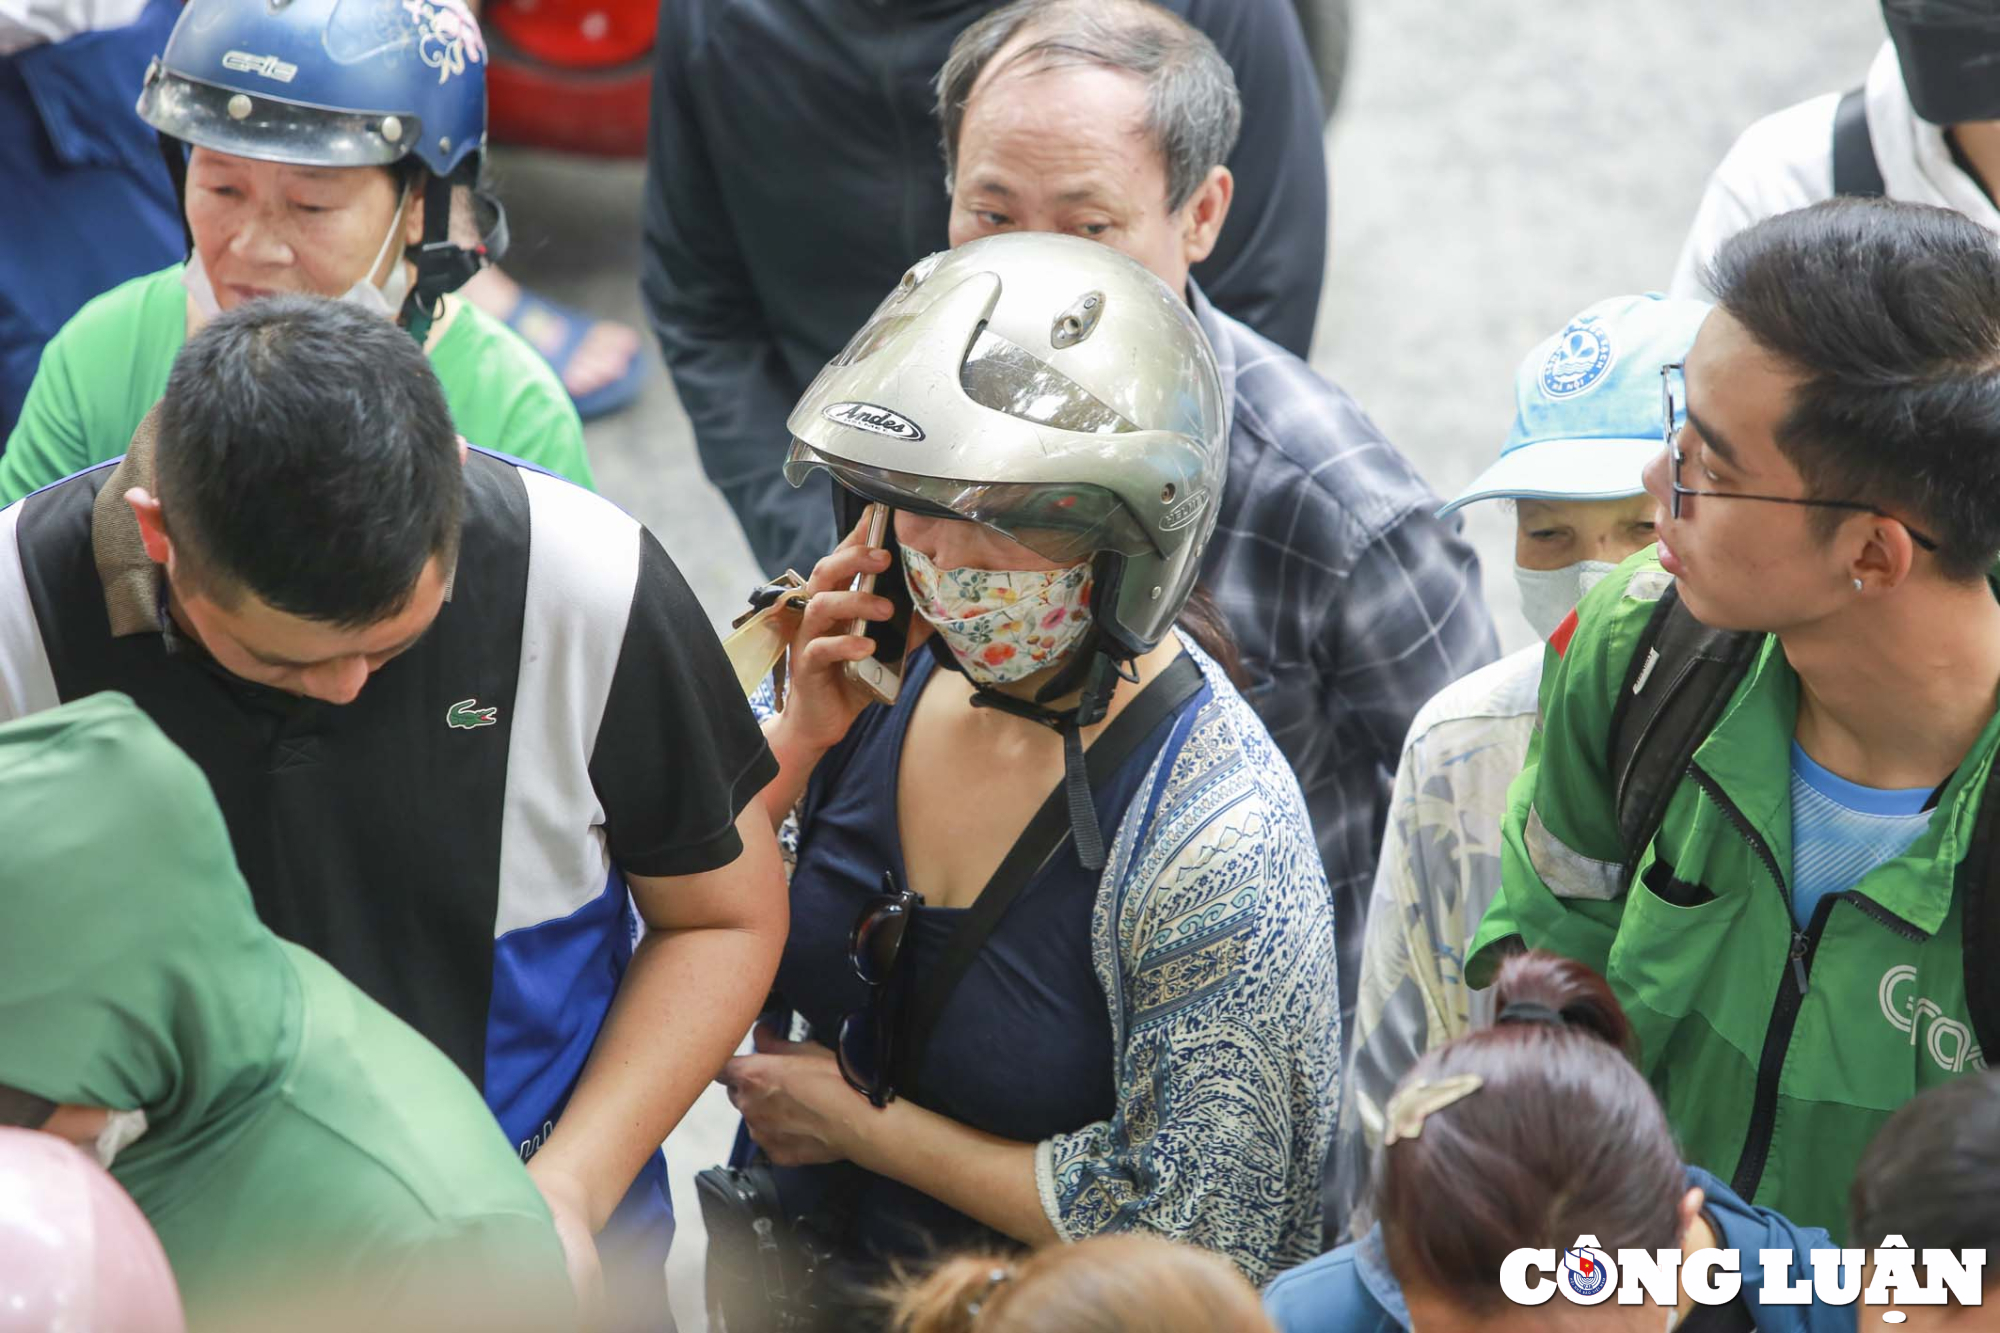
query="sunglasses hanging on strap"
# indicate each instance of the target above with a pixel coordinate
(866, 1038)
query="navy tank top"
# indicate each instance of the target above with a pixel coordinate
(1023, 1048)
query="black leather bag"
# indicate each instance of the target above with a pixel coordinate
(763, 1274)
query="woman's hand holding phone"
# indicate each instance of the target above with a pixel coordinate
(822, 700)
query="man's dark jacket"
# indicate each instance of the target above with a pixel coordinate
(794, 173)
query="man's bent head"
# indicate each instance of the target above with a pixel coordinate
(309, 490)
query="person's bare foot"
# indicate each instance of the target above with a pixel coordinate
(604, 355)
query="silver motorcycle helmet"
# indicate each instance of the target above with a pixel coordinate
(1052, 389)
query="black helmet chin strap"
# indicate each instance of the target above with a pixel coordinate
(1101, 673)
(174, 153)
(443, 266)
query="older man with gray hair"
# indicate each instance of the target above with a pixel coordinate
(1352, 603)
(792, 177)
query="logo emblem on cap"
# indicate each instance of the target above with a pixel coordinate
(1581, 357)
(868, 416)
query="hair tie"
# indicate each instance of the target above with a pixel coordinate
(1530, 1011)
(1416, 1102)
(978, 1303)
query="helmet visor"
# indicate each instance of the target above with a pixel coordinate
(1063, 523)
(268, 129)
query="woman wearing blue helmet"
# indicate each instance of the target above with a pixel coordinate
(333, 147)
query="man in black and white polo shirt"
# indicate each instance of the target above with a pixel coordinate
(455, 710)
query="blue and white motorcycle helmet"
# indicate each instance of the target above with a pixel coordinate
(340, 83)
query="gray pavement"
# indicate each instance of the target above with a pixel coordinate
(1497, 165)
(1500, 165)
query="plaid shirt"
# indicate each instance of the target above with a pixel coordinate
(1351, 602)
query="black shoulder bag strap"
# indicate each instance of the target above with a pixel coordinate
(1044, 836)
(1681, 678)
(1855, 171)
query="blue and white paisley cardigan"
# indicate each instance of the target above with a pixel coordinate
(1213, 939)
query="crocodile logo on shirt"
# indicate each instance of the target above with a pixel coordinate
(467, 714)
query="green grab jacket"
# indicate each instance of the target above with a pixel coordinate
(1777, 1052)
(311, 1161)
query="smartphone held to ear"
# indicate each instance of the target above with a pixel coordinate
(881, 674)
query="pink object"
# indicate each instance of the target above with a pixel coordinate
(76, 1254)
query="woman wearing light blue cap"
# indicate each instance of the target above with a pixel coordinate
(1587, 420)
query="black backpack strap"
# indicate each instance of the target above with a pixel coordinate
(1680, 679)
(1855, 171)
(1044, 837)
(1978, 888)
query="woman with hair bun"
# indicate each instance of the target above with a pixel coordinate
(1133, 1283)
(1529, 1134)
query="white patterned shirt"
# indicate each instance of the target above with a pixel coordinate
(1439, 872)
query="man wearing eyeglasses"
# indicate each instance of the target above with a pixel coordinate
(1787, 920)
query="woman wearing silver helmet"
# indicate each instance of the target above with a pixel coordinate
(322, 146)
(1125, 1015)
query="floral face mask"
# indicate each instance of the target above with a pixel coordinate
(1002, 625)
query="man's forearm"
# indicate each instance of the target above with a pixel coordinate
(689, 995)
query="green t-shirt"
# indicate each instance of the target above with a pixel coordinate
(108, 366)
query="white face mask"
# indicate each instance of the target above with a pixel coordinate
(1549, 595)
(386, 301)
(118, 1134)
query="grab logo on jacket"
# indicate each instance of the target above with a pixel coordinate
(1949, 1041)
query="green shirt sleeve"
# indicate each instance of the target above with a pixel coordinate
(548, 433)
(99, 376)
(1562, 867)
(48, 440)
(505, 397)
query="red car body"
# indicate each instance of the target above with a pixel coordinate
(571, 75)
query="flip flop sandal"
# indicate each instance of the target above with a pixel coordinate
(547, 325)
